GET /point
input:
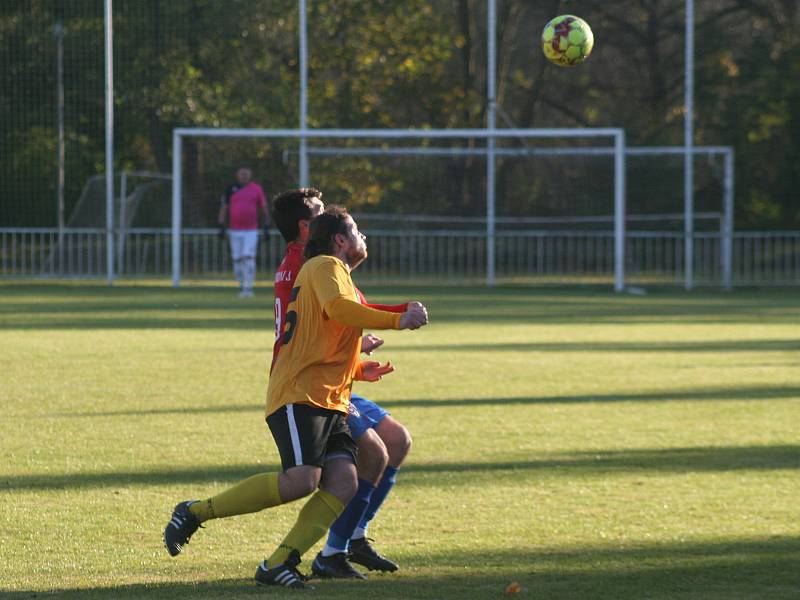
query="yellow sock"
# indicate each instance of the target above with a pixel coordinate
(314, 520)
(253, 494)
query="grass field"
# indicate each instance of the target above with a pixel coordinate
(582, 444)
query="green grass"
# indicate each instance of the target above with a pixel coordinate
(583, 444)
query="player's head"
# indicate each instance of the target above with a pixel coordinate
(335, 233)
(293, 210)
(243, 176)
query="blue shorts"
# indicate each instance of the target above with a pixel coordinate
(363, 414)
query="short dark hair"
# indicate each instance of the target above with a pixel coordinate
(291, 207)
(323, 229)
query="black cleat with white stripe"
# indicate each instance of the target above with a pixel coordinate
(180, 528)
(362, 553)
(334, 566)
(284, 574)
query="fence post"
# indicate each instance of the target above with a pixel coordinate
(177, 177)
(109, 84)
(619, 211)
(491, 107)
(727, 224)
(121, 234)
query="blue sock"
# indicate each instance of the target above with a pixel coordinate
(343, 527)
(378, 496)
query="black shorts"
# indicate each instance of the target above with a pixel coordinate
(308, 435)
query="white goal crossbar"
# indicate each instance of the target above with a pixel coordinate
(726, 152)
(616, 134)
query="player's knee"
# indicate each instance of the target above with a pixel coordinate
(308, 484)
(373, 456)
(343, 484)
(407, 441)
(299, 483)
(401, 447)
(379, 454)
(398, 442)
(380, 460)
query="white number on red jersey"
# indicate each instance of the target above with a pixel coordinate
(277, 318)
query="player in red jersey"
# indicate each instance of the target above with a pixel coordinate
(242, 207)
(383, 442)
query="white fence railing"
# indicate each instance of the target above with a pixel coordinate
(436, 255)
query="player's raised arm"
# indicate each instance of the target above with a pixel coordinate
(354, 314)
(338, 247)
(397, 308)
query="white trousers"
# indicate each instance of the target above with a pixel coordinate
(244, 242)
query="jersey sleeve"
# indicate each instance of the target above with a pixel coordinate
(395, 308)
(354, 314)
(331, 280)
(336, 294)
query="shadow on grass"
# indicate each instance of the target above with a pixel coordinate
(637, 347)
(69, 306)
(749, 568)
(691, 395)
(643, 461)
(702, 394)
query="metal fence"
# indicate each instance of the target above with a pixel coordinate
(443, 255)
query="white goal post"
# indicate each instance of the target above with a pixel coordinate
(303, 135)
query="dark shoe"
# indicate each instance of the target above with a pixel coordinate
(334, 566)
(365, 555)
(284, 574)
(180, 528)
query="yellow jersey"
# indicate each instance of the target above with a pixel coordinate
(319, 356)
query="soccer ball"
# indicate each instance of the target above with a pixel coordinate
(567, 40)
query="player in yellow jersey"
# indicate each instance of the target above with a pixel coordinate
(307, 401)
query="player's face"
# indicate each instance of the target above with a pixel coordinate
(355, 245)
(243, 176)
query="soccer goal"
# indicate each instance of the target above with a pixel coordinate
(553, 215)
(143, 205)
(438, 204)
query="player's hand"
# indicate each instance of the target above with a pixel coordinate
(372, 370)
(370, 343)
(221, 232)
(416, 316)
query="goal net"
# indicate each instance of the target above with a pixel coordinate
(439, 205)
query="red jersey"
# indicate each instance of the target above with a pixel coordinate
(284, 282)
